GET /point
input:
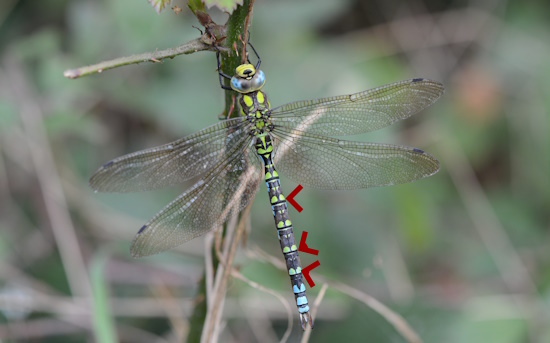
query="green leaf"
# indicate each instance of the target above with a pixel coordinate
(196, 5)
(225, 5)
(104, 327)
(159, 5)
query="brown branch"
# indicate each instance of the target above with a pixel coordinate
(155, 57)
(246, 29)
(224, 269)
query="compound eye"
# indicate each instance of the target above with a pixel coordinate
(258, 80)
(240, 85)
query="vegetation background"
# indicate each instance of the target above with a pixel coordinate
(463, 256)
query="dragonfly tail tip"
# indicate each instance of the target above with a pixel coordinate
(305, 318)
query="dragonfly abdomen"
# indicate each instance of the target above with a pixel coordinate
(264, 148)
(255, 105)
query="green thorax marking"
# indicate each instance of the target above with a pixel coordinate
(255, 106)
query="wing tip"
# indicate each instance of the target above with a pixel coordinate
(434, 162)
(95, 184)
(435, 166)
(435, 85)
(136, 253)
(95, 181)
(92, 184)
(137, 248)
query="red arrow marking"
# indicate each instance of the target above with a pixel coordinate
(303, 245)
(306, 271)
(290, 198)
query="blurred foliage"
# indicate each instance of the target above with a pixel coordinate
(159, 5)
(441, 251)
(223, 5)
(103, 321)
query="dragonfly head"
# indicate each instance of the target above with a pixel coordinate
(247, 79)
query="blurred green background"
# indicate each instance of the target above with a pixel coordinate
(463, 256)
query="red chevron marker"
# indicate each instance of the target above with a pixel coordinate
(303, 245)
(290, 198)
(306, 270)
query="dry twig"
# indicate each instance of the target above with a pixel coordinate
(155, 57)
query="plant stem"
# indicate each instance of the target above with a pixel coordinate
(155, 57)
(236, 30)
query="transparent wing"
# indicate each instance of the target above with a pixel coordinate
(171, 163)
(230, 184)
(330, 163)
(360, 112)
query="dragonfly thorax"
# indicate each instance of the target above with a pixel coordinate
(256, 108)
(247, 79)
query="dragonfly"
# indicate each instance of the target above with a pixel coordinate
(232, 155)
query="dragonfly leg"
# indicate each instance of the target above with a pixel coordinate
(255, 53)
(222, 74)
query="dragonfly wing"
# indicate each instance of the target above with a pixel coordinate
(171, 163)
(330, 163)
(360, 112)
(230, 186)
